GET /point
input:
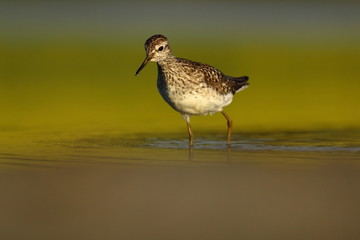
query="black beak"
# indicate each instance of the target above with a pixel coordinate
(142, 65)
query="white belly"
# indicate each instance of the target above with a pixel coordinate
(199, 102)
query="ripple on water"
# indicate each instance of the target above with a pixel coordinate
(170, 149)
(318, 141)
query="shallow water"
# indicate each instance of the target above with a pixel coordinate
(307, 147)
(283, 185)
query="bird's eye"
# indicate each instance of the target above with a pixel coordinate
(160, 48)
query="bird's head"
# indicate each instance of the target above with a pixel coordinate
(157, 49)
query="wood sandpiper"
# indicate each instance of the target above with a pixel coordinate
(191, 88)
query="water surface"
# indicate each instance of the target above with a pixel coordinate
(108, 185)
(306, 147)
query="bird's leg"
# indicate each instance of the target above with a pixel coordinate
(229, 124)
(191, 136)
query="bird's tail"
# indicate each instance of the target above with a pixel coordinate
(242, 79)
(239, 83)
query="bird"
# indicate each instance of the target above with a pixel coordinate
(191, 88)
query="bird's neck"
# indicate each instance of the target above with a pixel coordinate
(167, 62)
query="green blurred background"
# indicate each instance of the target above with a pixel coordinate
(70, 64)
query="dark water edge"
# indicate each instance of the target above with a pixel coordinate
(251, 201)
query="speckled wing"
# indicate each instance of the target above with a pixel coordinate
(213, 77)
(222, 83)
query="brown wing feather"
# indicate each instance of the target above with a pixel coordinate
(215, 78)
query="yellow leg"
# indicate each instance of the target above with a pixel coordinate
(229, 124)
(191, 136)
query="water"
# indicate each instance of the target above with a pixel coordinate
(307, 147)
(107, 185)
